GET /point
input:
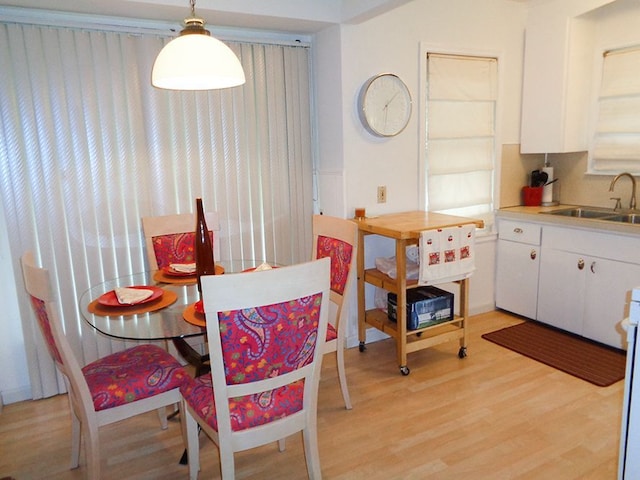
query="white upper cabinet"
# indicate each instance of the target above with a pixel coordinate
(558, 76)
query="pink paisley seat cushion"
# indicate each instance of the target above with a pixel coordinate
(332, 333)
(175, 248)
(132, 374)
(248, 411)
(340, 253)
(260, 343)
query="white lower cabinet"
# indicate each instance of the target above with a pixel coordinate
(518, 263)
(584, 281)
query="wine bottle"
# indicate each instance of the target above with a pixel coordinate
(203, 247)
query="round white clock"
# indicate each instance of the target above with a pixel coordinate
(384, 105)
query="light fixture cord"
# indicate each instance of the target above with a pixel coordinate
(193, 8)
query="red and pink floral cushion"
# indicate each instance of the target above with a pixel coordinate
(259, 343)
(248, 411)
(340, 253)
(175, 248)
(132, 374)
(40, 309)
(332, 333)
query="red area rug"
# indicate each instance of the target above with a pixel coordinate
(577, 356)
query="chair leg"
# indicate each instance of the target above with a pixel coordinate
(227, 465)
(282, 444)
(76, 427)
(190, 432)
(311, 452)
(162, 415)
(342, 375)
(92, 449)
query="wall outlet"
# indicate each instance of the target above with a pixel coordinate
(382, 194)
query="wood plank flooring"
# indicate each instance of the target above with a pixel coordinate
(493, 415)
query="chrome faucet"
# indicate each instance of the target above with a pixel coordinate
(632, 202)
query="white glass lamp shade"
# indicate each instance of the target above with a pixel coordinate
(196, 62)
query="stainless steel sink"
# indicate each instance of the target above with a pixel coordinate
(580, 212)
(631, 217)
(625, 218)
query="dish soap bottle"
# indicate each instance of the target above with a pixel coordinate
(203, 247)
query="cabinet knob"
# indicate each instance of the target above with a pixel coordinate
(580, 264)
(533, 254)
(517, 230)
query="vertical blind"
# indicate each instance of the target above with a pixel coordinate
(88, 147)
(461, 106)
(616, 139)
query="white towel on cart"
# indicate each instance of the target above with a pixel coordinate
(447, 254)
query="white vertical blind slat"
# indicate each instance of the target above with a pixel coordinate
(88, 147)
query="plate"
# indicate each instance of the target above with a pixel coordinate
(110, 299)
(175, 273)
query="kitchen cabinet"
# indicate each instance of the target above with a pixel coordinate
(556, 83)
(584, 281)
(518, 265)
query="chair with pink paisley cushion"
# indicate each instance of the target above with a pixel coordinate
(121, 385)
(266, 333)
(337, 239)
(171, 239)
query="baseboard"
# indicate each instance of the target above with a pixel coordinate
(15, 395)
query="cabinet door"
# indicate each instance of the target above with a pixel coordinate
(517, 277)
(561, 291)
(608, 286)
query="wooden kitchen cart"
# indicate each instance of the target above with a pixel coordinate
(405, 228)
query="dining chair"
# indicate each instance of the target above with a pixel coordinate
(171, 239)
(337, 239)
(266, 333)
(113, 388)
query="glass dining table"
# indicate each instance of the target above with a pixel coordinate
(159, 319)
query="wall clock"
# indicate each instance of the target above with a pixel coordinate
(384, 105)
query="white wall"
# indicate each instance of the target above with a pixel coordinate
(391, 43)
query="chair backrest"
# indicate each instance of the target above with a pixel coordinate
(337, 239)
(38, 286)
(266, 331)
(170, 238)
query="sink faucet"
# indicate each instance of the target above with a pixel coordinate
(632, 202)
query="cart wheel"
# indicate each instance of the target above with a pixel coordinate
(361, 347)
(404, 370)
(462, 352)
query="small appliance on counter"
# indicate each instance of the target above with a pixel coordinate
(540, 189)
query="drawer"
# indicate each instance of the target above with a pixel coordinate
(521, 232)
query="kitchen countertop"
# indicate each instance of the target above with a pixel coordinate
(536, 214)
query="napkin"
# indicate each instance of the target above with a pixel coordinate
(263, 266)
(183, 267)
(130, 296)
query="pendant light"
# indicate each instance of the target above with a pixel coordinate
(196, 61)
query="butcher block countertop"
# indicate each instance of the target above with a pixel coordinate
(408, 225)
(537, 214)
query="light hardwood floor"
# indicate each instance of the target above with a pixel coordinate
(493, 415)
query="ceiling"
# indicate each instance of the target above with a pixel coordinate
(295, 16)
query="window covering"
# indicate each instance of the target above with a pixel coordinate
(461, 105)
(616, 139)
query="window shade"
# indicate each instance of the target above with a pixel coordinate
(461, 106)
(616, 139)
